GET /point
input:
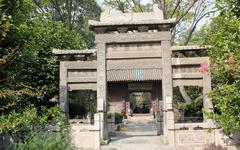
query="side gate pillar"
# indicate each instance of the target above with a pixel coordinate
(63, 89)
(167, 90)
(102, 88)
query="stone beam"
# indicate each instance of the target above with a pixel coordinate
(188, 82)
(189, 48)
(134, 64)
(189, 61)
(136, 37)
(82, 80)
(187, 76)
(98, 24)
(73, 52)
(129, 55)
(82, 86)
(80, 65)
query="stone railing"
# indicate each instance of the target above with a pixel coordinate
(193, 134)
(85, 135)
(111, 126)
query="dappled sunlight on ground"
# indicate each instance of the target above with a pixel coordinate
(139, 133)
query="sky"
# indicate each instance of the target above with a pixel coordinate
(200, 24)
(100, 2)
(144, 1)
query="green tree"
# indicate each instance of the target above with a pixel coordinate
(74, 14)
(223, 34)
(28, 69)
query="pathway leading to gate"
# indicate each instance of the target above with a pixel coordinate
(140, 133)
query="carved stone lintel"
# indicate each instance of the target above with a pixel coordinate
(156, 8)
(143, 28)
(93, 57)
(105, 12)
(122, 29)
(158, 12)
(79, 57)
(100, 30)
(164, 27)
(65, 57)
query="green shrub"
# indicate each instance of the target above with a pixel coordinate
(118, 117)
(109, 115)
(30, 119)
(47, 140)
(20, 125)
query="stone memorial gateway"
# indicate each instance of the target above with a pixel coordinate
(134, 53)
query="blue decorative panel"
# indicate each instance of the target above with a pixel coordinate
(138, 74)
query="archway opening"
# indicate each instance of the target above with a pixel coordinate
(140, 102)
(82, 104)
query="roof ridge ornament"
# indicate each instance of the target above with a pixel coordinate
(156, 8)
(106, 16)
(158, 12)
(106, 10)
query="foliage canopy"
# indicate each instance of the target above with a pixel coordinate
(28, 69)
(224, 35)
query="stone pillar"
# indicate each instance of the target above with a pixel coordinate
(63, 89)
(102, 88)
(167, 89)
(158, 96)
(207, 104)
(97, 126)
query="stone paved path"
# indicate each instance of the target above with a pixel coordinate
(141, 125)
(140, 133)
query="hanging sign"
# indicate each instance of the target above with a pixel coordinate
(139, 86)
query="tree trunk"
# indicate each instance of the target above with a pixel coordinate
(184, 94)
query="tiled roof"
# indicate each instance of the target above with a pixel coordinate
(134, 74)
(73, 52)
(93, 23)
(190, 48)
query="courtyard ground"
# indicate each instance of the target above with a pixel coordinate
(139, 133)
